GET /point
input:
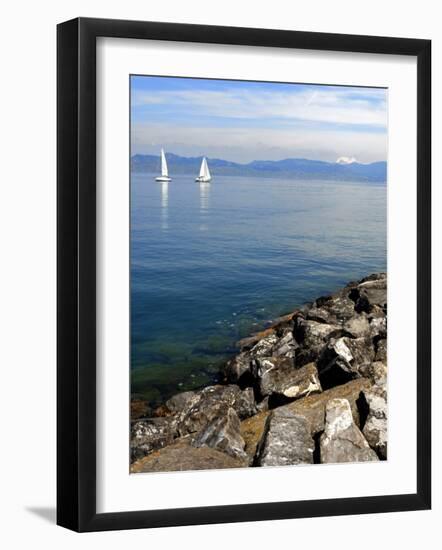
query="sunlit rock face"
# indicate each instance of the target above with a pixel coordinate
(286, 440)
(342, 441)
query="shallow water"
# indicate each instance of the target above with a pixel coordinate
(211, 263)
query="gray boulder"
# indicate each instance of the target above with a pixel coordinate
(311, 407)
(381, 351)
(286, 440)
(342, 358)
(182, 456)
(362, 351)
(223, 434)
(376, 426)
(335, 309)
(150, 434)
(381, 276)
(312, 336)
(213, 402)
(370, 293)
(278, 376)
(358, 326)
(377, 373)
(245, 404)
(237, 368)
(342, 441)
(378, 327)
(180, 401)
(286, 345)
(264, 347)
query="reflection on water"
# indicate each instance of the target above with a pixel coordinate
(164, 205)
(204, 204)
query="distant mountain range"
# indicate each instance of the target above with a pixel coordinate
(287, 168)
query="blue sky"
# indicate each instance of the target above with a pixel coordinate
(243, 121)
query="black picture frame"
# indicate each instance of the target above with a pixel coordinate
(76, 274)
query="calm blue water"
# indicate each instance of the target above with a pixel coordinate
(211, 263)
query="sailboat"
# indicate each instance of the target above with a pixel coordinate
(204, 176)
(164, 172)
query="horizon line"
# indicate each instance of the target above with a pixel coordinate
(262, 160)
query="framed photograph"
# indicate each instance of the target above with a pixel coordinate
(239, 212)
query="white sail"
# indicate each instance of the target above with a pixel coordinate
(202, 174)
(206, 169)
(164, 171)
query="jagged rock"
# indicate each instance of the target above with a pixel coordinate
(320, 315)
(182, 456)
(375, 312)
(311, 407)
(180, 401)
(378, 327)
(264, 347)
(358, 326)
(280, 324)
(377, 372)
(237, 368)
(277, 375)
(342, 441)
(148, 435)
(210, 403)
(312, 336)
(381, 350)
(335, 309)
(245, 404)
(362, 350)
(285, 346)
(342, 358)
(370, 293)
(335, 363)
(246, 344)
(381, 276)
(223, 434)
(376, 291)
(286, 440)
(375, 429)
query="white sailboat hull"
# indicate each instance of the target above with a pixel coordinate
(202, 179)
(163, 178)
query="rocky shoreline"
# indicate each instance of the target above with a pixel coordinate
(310, 389)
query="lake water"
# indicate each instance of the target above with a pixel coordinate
(211, 263)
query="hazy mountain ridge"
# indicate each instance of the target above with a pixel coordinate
(291, 168)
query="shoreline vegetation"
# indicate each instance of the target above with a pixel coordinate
(311, 388)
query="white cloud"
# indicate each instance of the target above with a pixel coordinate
(335, 106)
(246, 144)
